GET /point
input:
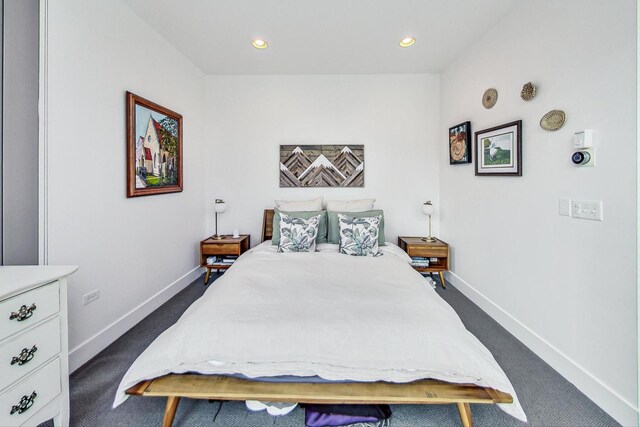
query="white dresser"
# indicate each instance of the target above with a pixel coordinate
(34, 368)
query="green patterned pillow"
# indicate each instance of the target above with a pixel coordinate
(359, 236)
(334, 229)
(298, 234)
(322, 228)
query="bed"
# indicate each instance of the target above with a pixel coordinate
(369, 328)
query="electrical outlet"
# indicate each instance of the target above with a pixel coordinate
(91, 297)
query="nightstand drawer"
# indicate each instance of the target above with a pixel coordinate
(427, 252)
(221, 249)
(28, 308)
(30, 395)
(28, 351)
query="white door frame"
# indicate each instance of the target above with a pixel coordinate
(638, 196)
(43, 146)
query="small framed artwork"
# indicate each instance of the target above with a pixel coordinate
(154, 148)
(460, 144)
(499, 150)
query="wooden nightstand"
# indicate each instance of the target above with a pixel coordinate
(229, 246)
(415, 246)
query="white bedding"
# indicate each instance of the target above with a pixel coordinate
(322, 314)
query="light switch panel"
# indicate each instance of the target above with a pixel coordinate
(587, 209)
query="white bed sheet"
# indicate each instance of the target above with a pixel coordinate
(322, 314)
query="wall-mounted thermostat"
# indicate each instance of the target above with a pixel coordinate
(584, 154)
(584, 157)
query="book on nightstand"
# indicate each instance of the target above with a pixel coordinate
(223, 261)
(421, 262)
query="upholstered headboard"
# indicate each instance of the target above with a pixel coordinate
(267, 224)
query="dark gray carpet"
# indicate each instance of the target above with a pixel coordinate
(547, 398)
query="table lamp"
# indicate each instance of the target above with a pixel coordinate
(427, 209)
(219, 206)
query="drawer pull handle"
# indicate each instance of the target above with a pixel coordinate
(25, 356)
(23, 313)
(25, 403)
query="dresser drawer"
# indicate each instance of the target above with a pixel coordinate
(45, 382)
(38, 304)
(36, 347)
(427, 252)
(221, 249)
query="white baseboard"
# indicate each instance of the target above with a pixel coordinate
(94, 345)
(615, 405)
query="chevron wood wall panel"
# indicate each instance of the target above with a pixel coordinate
(322, 166)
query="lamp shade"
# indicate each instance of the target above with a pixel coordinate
(427, 208)
(220, 206)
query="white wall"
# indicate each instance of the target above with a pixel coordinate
(394, 116)
(566, 287)
(130, 249)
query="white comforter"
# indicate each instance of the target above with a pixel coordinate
(335, 316)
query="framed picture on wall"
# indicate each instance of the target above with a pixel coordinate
(460, 144)
(499, 150)
(154, 148)
(322, 165)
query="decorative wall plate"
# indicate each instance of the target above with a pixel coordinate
(489, 98)
(553, 120)
(528, 91)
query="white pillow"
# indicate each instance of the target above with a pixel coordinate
(299, 205)
(298, 234)
(359, 236)
(350, 205)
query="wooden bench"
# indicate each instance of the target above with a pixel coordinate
(174, 386)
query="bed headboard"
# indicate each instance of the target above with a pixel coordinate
(267, 224)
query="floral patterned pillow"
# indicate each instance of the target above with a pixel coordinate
(298, 234)
(359, 236)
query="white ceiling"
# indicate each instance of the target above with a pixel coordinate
(321, 37)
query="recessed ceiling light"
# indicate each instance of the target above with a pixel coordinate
(407, 41)
(260, 44)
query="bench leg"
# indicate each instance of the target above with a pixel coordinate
(465, 414)
(170, 410)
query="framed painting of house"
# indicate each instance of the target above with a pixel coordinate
(154, 148)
